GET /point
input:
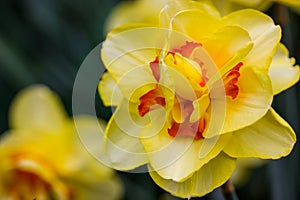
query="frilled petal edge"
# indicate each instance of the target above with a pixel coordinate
(205, 180)
(282, 71)
(269, 138)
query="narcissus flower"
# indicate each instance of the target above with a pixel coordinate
(42, 157)
(195, 94)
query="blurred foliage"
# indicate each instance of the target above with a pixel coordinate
(46, 42)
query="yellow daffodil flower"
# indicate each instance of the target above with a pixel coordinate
(42, 156)
(195, 94)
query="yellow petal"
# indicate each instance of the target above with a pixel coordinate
(93, 170)
(137, 79)
(186, 74)
(188, 67)
(200, 107)
(45, 176)
(253, 101)
(89, 146)
(173, 8)
(121, 143)
(26, 142)
(135, 54)
(224, 44)
(197, 24)
(129, 51)
(255, 22)
(167, 154)
(282, 71)
(263, 32)
(247, 3)
(128, 12)
(37, 108)
(183, 86)
(127, 27)
(215, 79)
(177, 113)
(205, 180)
(109, 91)
(269, 138)
(166, 84)
(136, 83)
(159, 145)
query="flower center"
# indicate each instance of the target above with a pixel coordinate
(188, 129)
(182, 125)
(185, 128)
(26, 185)
(31, 178)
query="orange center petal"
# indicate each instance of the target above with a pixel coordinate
(231, 80)
(187, 49)
(28, 182)
(188, 129)
(155, 68)
(151, 98)
(22, 184)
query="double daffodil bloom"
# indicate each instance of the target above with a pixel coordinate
(195, 94)
(42, 156)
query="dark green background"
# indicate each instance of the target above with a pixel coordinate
(45, 41)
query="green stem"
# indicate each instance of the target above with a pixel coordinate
(228, 191)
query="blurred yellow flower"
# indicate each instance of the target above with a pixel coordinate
(42, 157)
(139, 11)
(195, 94)
(147, 11)
(227, 6)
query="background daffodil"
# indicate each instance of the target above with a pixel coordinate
(195, 95)
(42, 156)
(140, 12)
(146, 11)
(227, 6)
